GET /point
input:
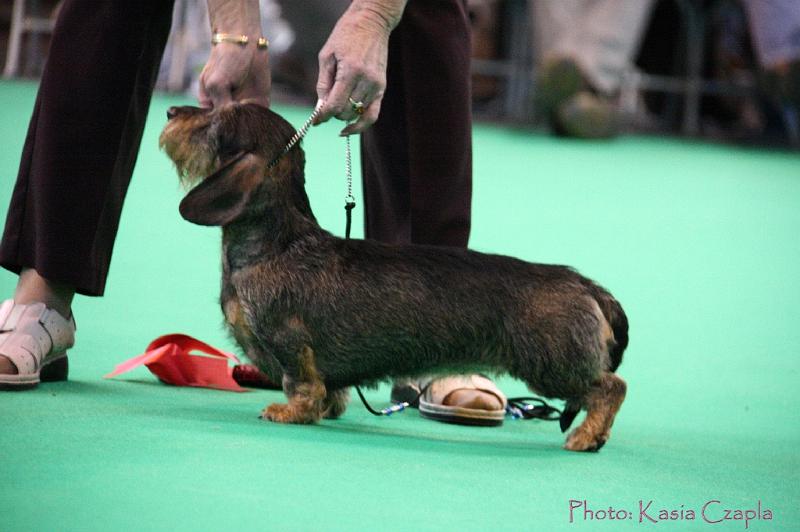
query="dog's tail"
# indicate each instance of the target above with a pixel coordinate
(616, 317)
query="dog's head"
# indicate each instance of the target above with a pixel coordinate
(223, 155)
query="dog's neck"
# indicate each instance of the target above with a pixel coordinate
(256, 238)
(246, 242)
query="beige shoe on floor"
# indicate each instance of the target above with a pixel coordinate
(35, 339)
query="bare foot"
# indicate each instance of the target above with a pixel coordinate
(33, 288)
(475, 399)
(6, 367)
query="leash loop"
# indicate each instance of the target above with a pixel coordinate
(521, 408)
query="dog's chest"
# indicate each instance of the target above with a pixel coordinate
(248, 293)
(233, 310)
(234, 316)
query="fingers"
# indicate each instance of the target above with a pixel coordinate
(348, 96)
(327, 76)
(214, 89)
(233, 74)
(352, 70)
(334, 87)
(369, 117)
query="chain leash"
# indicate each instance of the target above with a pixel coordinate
(349, 200)
(299, 134)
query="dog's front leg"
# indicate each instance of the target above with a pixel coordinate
(305, 390)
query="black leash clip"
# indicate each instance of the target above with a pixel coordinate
(349, 204)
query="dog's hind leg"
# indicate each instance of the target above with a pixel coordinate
(602, 403)
(305, 390)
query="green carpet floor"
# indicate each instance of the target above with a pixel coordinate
(700, 243)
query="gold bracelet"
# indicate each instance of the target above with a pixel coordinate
(241, 40)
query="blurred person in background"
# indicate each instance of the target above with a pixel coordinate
(582, 50)
(775, 34)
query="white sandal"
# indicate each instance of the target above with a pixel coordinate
(35, 339)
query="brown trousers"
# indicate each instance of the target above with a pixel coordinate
(89, 115)
(83, 139)
(417, 158)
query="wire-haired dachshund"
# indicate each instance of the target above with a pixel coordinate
(324, 313)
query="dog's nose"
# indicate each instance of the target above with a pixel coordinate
(172, 112)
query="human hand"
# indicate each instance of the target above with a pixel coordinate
(233, 73)
(352, 65)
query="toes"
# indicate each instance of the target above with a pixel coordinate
(7, 367)
(475, 399)
(276, 412)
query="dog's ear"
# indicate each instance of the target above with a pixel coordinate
(223, 196)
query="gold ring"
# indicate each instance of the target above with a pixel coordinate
(358, 107)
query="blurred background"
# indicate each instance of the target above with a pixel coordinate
(716, 69)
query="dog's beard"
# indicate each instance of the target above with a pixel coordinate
(194, 160)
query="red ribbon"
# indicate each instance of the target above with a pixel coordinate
(170, 358)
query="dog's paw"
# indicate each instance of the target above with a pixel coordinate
(279, 413)
(583, 440)
(285, 413)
